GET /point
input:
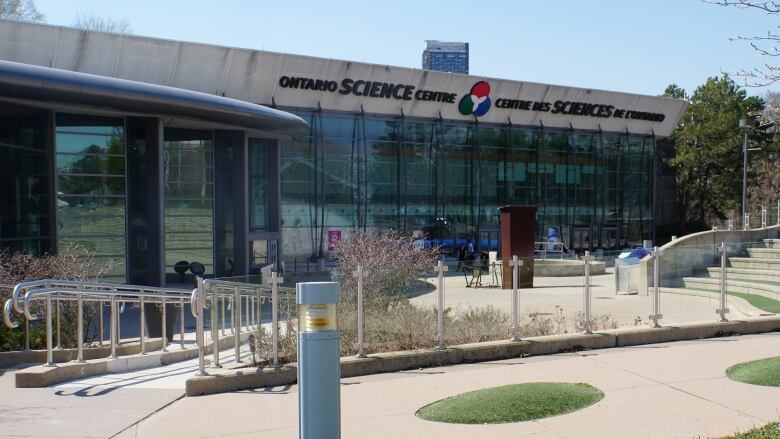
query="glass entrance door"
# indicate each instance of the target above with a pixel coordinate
(488, 240)
(262, 252)
(610, 238)
(581, 239)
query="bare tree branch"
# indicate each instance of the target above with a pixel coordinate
(769, 7)
(765, 74)
(20, 10)
(90, 21)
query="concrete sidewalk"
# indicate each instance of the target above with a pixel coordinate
(672, 390)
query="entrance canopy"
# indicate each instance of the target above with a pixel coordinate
(28, 82)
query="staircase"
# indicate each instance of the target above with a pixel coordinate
(749, 276)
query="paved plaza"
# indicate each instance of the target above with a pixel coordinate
(670, 390)
(567, 294)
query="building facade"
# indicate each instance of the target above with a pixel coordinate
(427, 153)
(445, 56)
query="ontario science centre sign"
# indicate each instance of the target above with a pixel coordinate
(477, 101)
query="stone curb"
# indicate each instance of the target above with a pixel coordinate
(221, 381)
(12, 358)
(43, 376)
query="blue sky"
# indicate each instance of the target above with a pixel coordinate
(629, 45)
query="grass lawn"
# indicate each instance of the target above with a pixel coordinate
(764, 372)
(769, 431)
(512, 403)
(760, 302)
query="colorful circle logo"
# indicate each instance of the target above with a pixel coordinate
(477, 102)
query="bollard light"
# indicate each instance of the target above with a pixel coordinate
(319, 372)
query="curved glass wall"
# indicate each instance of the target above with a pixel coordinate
(446, 181)
(24, 180)
(90, 169)
(188, 185)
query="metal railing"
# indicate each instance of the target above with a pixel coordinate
(47, 295)
(214, 298)
(553, 250)
(764, 216)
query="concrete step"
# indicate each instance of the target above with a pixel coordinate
(764, 253)
(772, 243)
(754, 263)
(738, 306)
(739, 286)
(739, 273)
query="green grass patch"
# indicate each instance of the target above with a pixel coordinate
(758, 281)
(512, 403)
(761, 302)
(769, 431)
(764, 372)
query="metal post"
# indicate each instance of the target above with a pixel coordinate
(763, 217)
(26, 334)
(515, 263)
(251, 310)
(49, 335)
(231, 306)
(440, 268)
(656, 288)
(723, 310)
(214, 330)
(142, 328)
(275, 281)
(119, 323)
(259, 310)
(746, 225)
(778, 212)
(79, 328)
(222, 308)
(181, 322)
(360, 324)
(199, 335)
(587, 300)
(164, 332)
(237, 323)
(319, 401)
(100, 321)
(744, 169)
(59, 336)
(113, 330)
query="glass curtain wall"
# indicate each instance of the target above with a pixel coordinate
(446, 181)
(188, 184)
(24, 180)
(258, 184)
(90, 170)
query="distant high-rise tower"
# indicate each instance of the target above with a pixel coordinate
(444, 56)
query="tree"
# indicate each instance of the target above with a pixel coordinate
(768, 72)
(102, 23)
(764, 165)
(707, 150)
(675, 91)
(21, 10)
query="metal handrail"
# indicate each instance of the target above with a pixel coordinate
(209, 295)
(564, 251)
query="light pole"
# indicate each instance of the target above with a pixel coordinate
(744, 124)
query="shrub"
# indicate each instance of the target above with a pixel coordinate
(393, 262)
(71, 263)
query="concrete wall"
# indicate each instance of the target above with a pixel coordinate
(254, 76)
(680, 257)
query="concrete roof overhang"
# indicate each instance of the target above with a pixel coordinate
(44, 84)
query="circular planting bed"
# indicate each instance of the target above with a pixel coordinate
(512, 403)
(764, 372)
